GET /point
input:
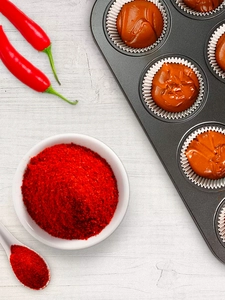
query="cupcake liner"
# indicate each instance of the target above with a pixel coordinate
(188, 171)
(114, 36)
(147, 87)
(195, 13)
(221, 223)
(211, 50)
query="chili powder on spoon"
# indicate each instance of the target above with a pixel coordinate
(70, 191)
(30, 268)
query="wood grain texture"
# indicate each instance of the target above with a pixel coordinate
(157, 252)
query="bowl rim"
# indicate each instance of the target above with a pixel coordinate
(119, 171)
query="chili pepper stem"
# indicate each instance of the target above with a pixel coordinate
(50, 90)
(48, 51)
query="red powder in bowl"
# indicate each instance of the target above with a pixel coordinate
(70, 191)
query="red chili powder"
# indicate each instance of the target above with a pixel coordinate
(29, 267)
(70, 191)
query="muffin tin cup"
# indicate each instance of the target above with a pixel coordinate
(220, 223)
(114, 37)
(147, 87)
(196, 14)
(202, 182)
(211, 51)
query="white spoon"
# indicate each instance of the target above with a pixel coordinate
(9, 244)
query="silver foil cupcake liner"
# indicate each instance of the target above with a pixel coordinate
(147, 87)
(211, 51)
(114, 36)
(186, 9)
(189, 172)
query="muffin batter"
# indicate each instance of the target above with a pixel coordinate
(203, 6)
(139, 23)
(206, 155)
(220, 52)
(175, 87)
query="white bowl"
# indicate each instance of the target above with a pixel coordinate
(119, 172)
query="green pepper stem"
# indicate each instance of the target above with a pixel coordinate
(50, 90)
(48, 51)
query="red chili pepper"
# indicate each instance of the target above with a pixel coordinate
(30, 30)
(23, 69)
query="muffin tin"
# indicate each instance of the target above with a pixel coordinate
(187, 38)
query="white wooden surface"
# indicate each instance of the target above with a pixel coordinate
(157, 252)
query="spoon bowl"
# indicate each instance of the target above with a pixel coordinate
(15, 250)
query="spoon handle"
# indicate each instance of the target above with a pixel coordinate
(7, 239)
